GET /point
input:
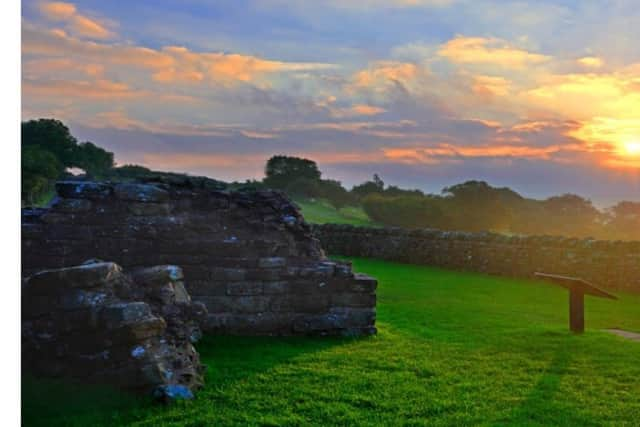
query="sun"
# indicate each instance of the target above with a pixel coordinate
(632, 148)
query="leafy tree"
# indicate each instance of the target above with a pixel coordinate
(281, 171)
(335, 193)
(571, 215)
(368, 187)
(491, 208)
(48, 148)
(303, 187)
(624, 220)
(51, 135)
(39, 168)
(408, 211)
(93, 159)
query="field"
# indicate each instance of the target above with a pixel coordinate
(452, 349)
(320, 211)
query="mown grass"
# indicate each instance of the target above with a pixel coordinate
(320, 211)
(453, 349)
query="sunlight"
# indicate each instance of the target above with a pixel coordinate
(632, 148)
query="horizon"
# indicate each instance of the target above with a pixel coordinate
(543, 97)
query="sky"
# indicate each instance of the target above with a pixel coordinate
(541, 96)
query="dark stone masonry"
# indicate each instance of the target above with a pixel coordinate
(249, 257)
(609, 264)
(95, 323)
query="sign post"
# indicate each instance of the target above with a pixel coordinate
(577, 289)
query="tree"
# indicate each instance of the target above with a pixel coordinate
(624, 220)
(39, 168)
(280, 171)
(93, 159)
(408, 211)
(477, 206)
(571, 215)
(368, 187)
(335, 193)
(53, 136)
(48, 148)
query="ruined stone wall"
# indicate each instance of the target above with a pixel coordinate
(248, 256)
(610, 264)
(95, 323)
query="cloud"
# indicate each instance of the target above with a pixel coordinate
(492, 51)
(58, 11)
(591, 62)
(79, 24)
(384, 72)
(170, 64)
(491, 86)
(96, 89)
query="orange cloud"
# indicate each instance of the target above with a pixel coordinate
(490, 86)
(171, 64)
(99, 89)
(383, 72)
(59, 11)
(43, 67)
(89, 28)
(448, 152)
(353, 111)
(491, 51)
(79, 24)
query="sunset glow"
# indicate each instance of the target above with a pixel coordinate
(445, 90)
(632, 148)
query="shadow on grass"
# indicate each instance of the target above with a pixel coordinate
(51, 402)
(542, 405)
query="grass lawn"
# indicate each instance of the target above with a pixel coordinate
(320, 212)
(452, 349)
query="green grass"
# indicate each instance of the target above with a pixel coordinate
(322, 212)
(452, 349)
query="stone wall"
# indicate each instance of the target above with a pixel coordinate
(248, 256)
(97, 324)
(610, 264)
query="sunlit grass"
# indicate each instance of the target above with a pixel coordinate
(319, 211)
(452, 349)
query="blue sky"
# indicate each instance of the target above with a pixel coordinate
(541, 96)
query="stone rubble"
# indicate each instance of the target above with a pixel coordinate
(96, 323)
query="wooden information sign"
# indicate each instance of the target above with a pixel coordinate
(578, 288)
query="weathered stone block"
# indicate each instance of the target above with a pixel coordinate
(277, 287)
(157, 275)
(244, 288)
(353, 300)
(363, 283)
(181, 294)
(312, 303)
(266, 274)
(250, 304)
(149, 209)
(230, 274)
(272, 262)
(83, 190)
(140, 193)
(125, 312)
(71, 205)
(83, 276)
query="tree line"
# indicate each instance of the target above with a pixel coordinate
(469, 206)
(49, 151)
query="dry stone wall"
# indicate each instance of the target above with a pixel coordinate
(610, 264)
(248, 256)
(95, 323)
